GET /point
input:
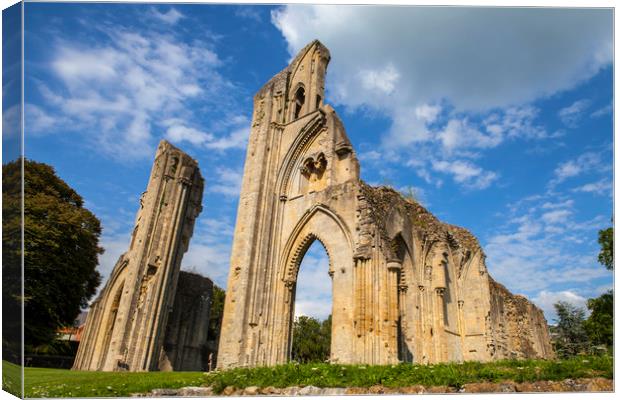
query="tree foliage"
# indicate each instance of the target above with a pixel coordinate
(311, 339)
(11, 261)
(600, 324)
(572, 338)
(216, 313)
(61, 249)
(606, 240)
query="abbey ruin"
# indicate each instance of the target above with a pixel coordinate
(406, 287)
(142, 319)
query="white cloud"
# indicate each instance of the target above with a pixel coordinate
(427, 113)
(236, 140)
(38, 120)
(130, 88)
(210, 260)
(383, 80)
(542, 244)
(459, 134)
(170, 17)
(406, 67)
(179, 133)
(572, 114)
(466, 173)
(248, 12)
(602, 111)
(11, 120)
(556, 216)
(228, 182)
(586, 162)
(546, 299)
(471, 70)
(209, 250)
(114, 245)
(601, 187)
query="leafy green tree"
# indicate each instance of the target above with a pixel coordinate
(572, 337)
(311, 339)
(600, 324)
(606, 240)
(216, 313)
(61, 249)
(11, 262)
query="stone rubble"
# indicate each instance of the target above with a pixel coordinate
(567, 385)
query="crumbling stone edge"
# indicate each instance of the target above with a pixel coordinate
(567, 385)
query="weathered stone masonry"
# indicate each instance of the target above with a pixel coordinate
(126, 324)
(406, 287)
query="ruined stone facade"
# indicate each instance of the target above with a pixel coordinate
(185, 344)
(405, 286)
(126, 324)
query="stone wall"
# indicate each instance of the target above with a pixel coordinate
(186, 334)
(518, 328)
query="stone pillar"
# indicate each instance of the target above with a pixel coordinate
(394, 268)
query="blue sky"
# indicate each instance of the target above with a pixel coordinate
(500, 120)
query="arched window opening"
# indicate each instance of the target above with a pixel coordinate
(111, 322)
(318, 101)
(402, 255)
(300, 98)
(311, 328)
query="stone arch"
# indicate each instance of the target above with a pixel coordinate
(293, 156)
(322, 224)
(292, 267)
(112, 293)
(110, 314)
(298, 100)
(402, 257)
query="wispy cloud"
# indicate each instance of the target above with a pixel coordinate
(602, 111)
(543, 244)
(133, 88)
(572, 114)
(466, 173)
(546, 300)
(436, 100)
(586, 162)
(228, 182)
(601, 187)
(170, 17)
(249, 12)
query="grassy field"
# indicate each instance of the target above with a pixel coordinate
(403, 375)
(44, 382)
(11, 378)
(47, 382)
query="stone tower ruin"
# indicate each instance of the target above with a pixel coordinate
(406, 286)
(126, 325)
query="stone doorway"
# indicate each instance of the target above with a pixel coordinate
(313, 299)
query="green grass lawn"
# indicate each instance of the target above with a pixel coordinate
(45, 382)
(48, 382)
(11, 378)
(403, 375)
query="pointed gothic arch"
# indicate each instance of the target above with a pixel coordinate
(322, 224)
